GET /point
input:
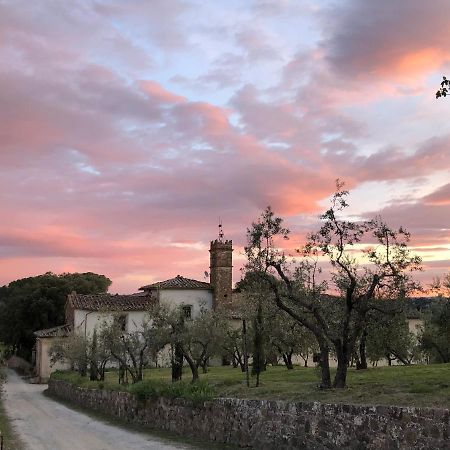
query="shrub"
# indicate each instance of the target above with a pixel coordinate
(69, 376)
(196, 392)
(144, 390)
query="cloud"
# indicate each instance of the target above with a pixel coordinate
(387, 38)
(128, 129)
(440, 197)
(426, 220)
(394, 163)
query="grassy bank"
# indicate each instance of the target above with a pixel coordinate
(11, 440)
(397, 385)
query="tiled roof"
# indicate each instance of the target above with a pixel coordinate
(178, 282)
(110, 302)
(60, 331)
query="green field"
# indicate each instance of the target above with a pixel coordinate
(427, 385)
(11, 442)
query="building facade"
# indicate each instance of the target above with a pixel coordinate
(86, 312)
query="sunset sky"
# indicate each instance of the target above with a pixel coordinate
(127, 128)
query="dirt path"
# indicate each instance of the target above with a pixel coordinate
(44, 424)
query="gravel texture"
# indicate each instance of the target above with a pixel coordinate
(44, 424)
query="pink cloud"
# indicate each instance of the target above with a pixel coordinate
(387, 39)
(158, 93)
(106, 167)
(440, 197)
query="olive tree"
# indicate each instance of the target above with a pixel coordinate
(388, 337)
(196, 339)
(83, 354)
(385, 275)
(434, 336)
(133, 351)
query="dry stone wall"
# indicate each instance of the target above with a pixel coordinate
(264, 424)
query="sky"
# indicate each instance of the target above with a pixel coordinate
(129, 129)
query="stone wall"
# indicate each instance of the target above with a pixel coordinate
(278, 425)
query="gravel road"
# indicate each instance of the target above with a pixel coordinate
(44, 424)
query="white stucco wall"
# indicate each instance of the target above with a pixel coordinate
(43, 366)
(86, 321)
(197, 298)
(414, 325)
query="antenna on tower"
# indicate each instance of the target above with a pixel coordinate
(220, 230)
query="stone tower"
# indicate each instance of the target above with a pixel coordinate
(221, 267)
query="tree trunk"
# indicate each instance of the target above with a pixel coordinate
(102, 370)
(140, 372)
(272, 358)
(324, 365)
(83, 369)
(287, 358)
(404, 361)
(340, 379)
(177, 363)
(357, 361)
(259, 360)
(192, 365)
(122, 374)
(240, 359)
(362, 352)
(93, 371)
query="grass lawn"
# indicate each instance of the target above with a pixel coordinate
(11, 441)
(427, 385)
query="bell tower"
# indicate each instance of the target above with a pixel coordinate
(221, 269)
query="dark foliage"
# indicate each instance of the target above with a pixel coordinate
(443, 91)
(435, 336)
(36, 303)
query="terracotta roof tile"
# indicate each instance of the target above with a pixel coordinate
(110, 302)
(178, 282)
(60, 331)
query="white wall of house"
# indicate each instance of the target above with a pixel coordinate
(86, 321)
(135, 320)
(415, 325)
(196, 298)
(43, 366)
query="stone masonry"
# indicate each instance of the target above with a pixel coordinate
(264, 424)
(221, 268)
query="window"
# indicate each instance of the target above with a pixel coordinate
(121, 321)
(187, 312)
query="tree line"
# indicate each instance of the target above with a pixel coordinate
(36, 303)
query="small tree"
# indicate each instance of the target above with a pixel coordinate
(254, 305)
(434, 336)
(133, 350)
(259, 336)
(82, 354)
(197, 339)
(388, 337)
(272, 329)
(233, 347)
(98, 356)
(289, 338)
